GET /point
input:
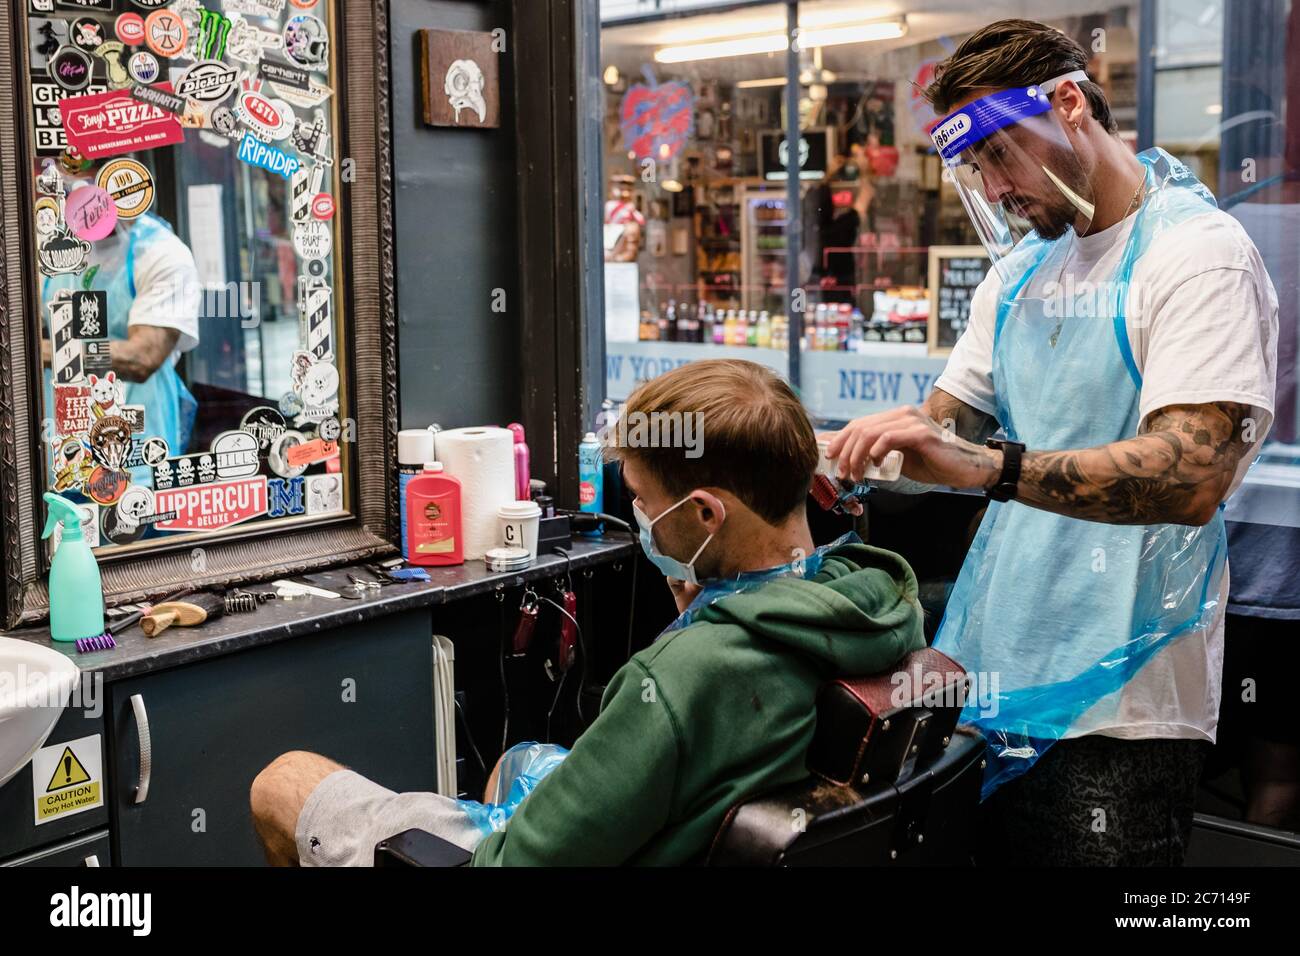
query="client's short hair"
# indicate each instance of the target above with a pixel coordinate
(758, 442)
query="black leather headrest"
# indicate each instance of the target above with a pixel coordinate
(868, 728)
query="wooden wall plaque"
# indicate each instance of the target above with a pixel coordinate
(460, 79)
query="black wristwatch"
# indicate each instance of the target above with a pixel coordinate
(1009, 480)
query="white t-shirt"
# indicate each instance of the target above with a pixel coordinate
(1202, 322)
(167, 290)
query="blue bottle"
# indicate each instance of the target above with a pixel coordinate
(591, 478)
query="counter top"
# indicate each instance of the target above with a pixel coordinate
(278, 620)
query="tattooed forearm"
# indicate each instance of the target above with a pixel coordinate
(1176, 472)
(956, 416)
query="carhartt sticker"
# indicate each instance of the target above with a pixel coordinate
(284, 73)
(68, 778)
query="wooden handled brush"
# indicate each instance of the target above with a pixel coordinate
(191, 612)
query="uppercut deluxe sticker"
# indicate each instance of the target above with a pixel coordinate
(212, 507)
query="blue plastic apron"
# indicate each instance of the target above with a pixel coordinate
(1054, 615)
(169, 407)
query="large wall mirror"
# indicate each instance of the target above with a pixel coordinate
(207, 375)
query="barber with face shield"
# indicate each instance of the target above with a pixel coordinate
(1123, 350)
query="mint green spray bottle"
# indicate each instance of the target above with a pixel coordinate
(76, 594)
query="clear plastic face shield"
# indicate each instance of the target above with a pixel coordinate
(1013, 167)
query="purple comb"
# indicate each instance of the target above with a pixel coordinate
(88, 645)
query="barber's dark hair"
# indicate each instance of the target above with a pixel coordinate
(1013, 53)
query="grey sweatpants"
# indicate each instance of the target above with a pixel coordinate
(346, 815)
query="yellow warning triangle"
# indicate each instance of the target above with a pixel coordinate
(68, 773)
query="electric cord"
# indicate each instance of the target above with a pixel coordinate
(582, 648)
(464, 725)
(501, 664)
(554, 703)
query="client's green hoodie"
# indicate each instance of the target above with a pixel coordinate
(711, 714)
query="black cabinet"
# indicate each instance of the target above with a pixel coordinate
(361, 695)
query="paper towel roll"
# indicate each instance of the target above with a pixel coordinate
(483, 459)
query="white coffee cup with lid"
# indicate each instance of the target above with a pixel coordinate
(520, 523)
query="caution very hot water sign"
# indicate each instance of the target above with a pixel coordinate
(68, 778)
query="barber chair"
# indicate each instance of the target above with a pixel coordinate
(894, 781)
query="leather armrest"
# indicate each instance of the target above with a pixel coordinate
(420, 848)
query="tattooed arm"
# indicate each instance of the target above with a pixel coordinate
(948, 412)
(1176, 472)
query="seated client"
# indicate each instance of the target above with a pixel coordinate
(720, 707)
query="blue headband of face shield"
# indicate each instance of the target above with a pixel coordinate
(669, 566)
(981, 118)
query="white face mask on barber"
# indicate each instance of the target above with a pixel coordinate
(669, 566)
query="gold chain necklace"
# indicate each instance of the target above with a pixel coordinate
(1134, 203)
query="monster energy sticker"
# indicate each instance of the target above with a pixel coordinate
(306, 185)
(66, 365)
(210, 35)
(315, 306)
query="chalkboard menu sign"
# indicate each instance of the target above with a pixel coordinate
(955, 271)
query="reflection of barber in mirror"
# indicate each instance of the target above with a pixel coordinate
(828, 228)
(624, 223)
(154, 297)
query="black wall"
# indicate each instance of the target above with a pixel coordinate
(457, 196)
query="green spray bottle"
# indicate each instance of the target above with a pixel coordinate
(76, 594)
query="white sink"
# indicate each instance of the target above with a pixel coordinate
(35, 685)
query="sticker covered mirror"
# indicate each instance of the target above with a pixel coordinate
(185, 235)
